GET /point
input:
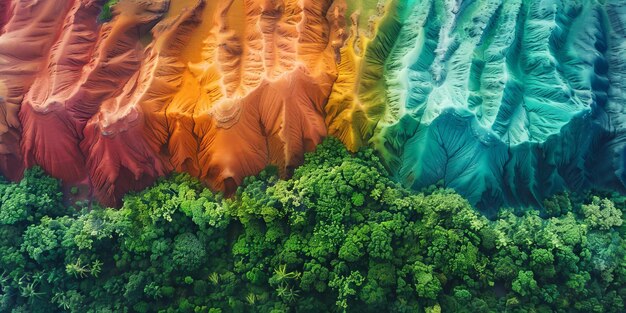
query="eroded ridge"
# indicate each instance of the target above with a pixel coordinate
(507, 102)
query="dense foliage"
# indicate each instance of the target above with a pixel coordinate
(337, 237)
(106, 14)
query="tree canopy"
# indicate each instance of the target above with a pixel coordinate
(338, 236)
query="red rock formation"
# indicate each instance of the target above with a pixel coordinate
(24, 47)
(50, 132)
(216, 89)
(6, 11)
(119, 155)
(87, 66)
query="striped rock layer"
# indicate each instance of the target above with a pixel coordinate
(507, 102)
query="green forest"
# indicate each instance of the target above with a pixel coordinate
(338, 236)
